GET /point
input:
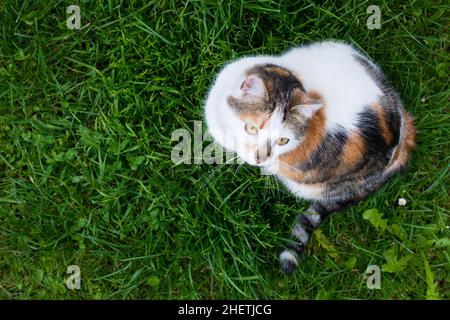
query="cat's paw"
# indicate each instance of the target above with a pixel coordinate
(288, 261)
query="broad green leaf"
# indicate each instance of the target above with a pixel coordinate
(375, 218)
(397, 230)
(89, 137)
(135, 162)
(70, 154)
(324, 243)
(153, 281)
(79, 224)
(350, 263)
(20, 55)
(33, 16)
(393, 263)
(442, 242)
(37, 275)
(432, 293)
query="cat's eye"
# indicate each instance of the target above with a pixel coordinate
(251, 129)
(282, 141)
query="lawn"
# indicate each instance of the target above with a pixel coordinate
(87, 179)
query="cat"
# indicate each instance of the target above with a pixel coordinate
(322, 118)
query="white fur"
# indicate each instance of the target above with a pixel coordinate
(301, 190)
(330, 68)
(218, 114)
(288, 255)
(300, 234)
(313, 217)
(327, 67)
(223, 124)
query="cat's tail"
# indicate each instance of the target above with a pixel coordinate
(401, 154)
(304, 225)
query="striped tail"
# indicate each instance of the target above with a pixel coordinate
(303, 227)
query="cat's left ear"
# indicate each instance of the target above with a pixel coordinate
(253, 87)
(308, 104)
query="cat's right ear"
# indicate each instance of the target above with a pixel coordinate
(254, 87)
(307, 104)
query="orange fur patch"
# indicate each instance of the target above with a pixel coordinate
(382, 123)
(300, 97)
(314, 95)
(290, 173)
(353, 149)
(410, 130)
(313, 137)
(293, 173)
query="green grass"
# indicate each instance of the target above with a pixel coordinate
(86, 177)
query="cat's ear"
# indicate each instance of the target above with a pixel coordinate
(253, 87)
(308, 105)
(306, 111)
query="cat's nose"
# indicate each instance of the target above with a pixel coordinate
(263, 153)
(260, 158)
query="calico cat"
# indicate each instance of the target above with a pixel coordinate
(322, 118)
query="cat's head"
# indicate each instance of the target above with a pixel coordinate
(270, 111)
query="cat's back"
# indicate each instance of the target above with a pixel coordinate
(368, 135)
(332, 69)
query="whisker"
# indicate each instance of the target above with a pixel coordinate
(213, 174)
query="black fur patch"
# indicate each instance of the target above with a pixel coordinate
(327, 154)
(390, 101)
(296, 247)
(393, 117)
(304, 221)
(370, 131)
